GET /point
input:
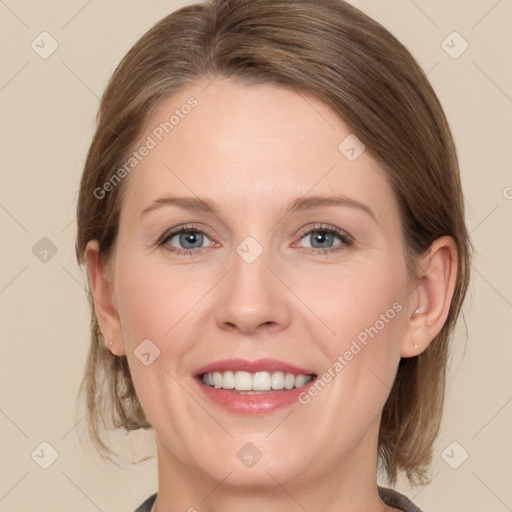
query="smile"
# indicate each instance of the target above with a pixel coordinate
(253, 387)
(259, 381)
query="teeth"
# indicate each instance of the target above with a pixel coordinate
(243, 381)
(289, 381)
(228, 380)
(259, 381)
(277, 380)
(217, 380)
(300, 380)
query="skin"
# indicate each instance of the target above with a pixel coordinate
(252, 149)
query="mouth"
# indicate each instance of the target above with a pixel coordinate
(245, 382)
(253, 387)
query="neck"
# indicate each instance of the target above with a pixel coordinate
(330, 484)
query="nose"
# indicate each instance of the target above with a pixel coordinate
(251, 299)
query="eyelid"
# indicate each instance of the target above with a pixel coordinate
(346, 240)
(171, 233)
(326, 227)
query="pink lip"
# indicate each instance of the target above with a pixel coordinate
(257, 404)
(271, 365)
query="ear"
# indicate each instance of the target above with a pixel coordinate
(102, 289)
(429, 310)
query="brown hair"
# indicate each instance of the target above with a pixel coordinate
(334, 52)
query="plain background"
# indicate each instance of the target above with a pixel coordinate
(48, 109)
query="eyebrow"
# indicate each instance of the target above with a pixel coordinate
(304, 203)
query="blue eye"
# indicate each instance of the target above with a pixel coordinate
(322, 239)
(189, 239)
(192, 241)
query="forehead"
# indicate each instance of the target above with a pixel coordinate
(251, 146)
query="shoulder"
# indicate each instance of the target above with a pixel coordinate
(146, 506)
(395, 499)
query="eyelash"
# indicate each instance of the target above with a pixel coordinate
(346, 241)
(182, 229)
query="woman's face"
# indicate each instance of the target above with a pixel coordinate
(269, 279)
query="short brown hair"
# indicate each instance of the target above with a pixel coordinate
(331, 51)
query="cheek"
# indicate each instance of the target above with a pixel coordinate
(363, 307)
(154, 298)
(154, 305)
(357, 302)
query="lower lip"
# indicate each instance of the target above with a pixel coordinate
(256, 404)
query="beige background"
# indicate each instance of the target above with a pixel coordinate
(48, 108)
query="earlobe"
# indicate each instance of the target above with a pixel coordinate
(435, 288)
(104, 301)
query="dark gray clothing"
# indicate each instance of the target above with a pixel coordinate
(389, 497)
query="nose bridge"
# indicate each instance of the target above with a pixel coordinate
(251, 295)
(250, 265)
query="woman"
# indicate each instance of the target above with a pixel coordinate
(272, 221)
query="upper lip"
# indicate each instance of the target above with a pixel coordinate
(258, 365)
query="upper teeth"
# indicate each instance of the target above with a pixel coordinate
(259, 381)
